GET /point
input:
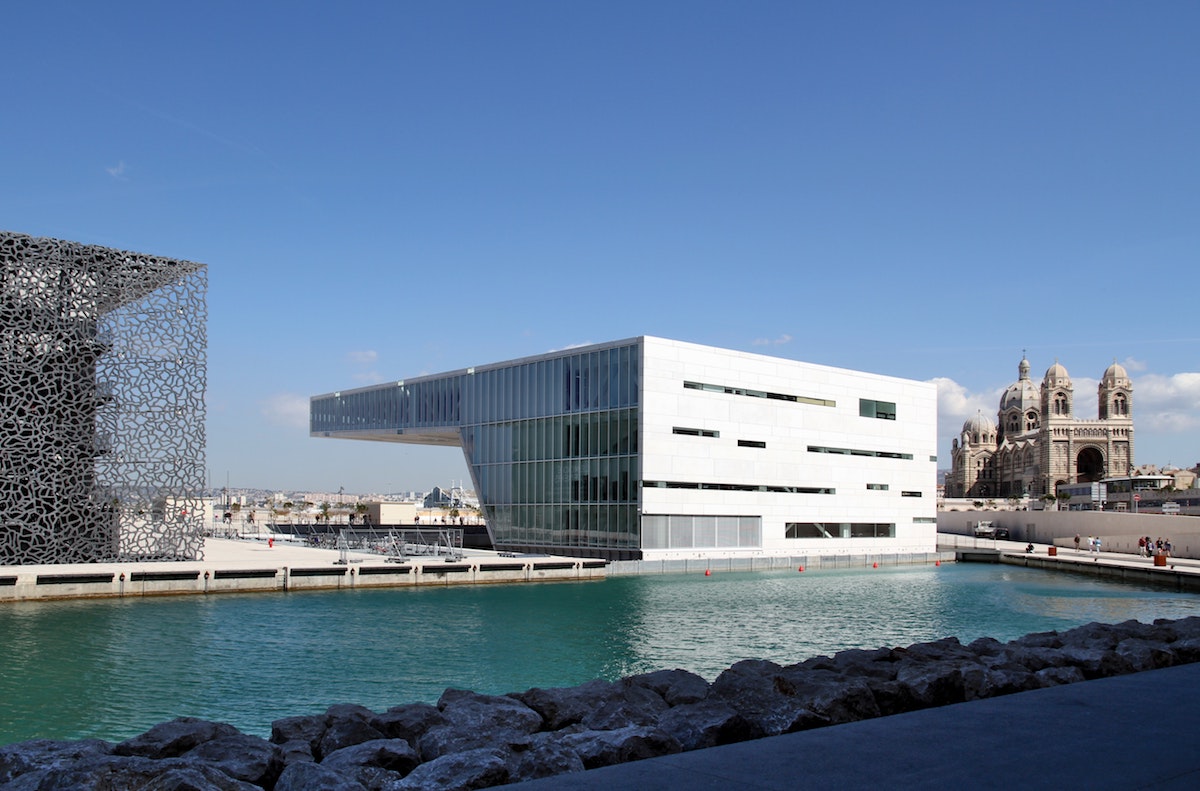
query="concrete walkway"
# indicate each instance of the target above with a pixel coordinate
(1122, 733)
(1180, 573)
(244, 566)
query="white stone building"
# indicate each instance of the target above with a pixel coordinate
(651, 448)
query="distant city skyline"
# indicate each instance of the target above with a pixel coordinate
(385, 190)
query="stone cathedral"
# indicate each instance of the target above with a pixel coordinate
(1038, 442)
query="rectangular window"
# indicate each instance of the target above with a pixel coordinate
(924, 520)
(695, 432)
(839, 530)
(686, 531)
(910, 494)
(750, 443)
(881, 454)
(877, 487)
(884, 410)
(808, 530)
(710, 388)
(739, 487)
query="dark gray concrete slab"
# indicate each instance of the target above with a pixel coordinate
(1140, 731)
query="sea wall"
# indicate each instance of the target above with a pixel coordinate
(469, 740)
(1119, 531)
(113, 580)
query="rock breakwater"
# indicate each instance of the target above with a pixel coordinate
(470, 740)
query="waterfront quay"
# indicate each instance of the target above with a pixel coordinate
(242, 566)
(1180, 573)
(260, 565)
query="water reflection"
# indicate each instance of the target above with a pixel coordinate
(112, 668)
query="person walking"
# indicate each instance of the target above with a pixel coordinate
(1076, 542)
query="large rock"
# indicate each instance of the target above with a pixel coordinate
(45, 755)
(563, 706)
(934, 683)
(408, 722)
(545, 755)
(676, 687)
(1096, 662)
(761, 692)
(832, 696)
(473, 721)
(880, 663)
(1146, 654)
(346, 724)
(174, 738)
(605, 748)
(395, 755)
(981, 681)
(479, 768)
(306, 728)
(630, 704)
(314, 777)
(121, 772)
(707, 723)
(240, 756)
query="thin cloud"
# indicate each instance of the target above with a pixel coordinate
(117, 171)
(286, 409)
(368, 377)
(365, 357)
(780, 341)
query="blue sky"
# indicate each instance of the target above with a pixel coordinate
(387, 189)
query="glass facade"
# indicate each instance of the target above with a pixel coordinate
(551, 443)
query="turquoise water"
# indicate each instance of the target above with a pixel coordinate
(112, 668)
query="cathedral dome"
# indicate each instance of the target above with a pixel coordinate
(1115, 374)
(980, 428)
(1022, 393)
(1057, 374)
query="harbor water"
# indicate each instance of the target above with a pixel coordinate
(112, 668)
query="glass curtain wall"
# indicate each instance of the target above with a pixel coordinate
(552, 444)
(553, 449)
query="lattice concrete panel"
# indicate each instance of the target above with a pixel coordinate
(102, 379)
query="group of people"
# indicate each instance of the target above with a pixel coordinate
(1148, 547)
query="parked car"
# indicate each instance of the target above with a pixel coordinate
(989, 530)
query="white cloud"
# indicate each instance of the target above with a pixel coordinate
(286, 409)
(117, 172)
(780, 341)
(956, 404)
(1134, 365)
(365, 357)
(1167, 404)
